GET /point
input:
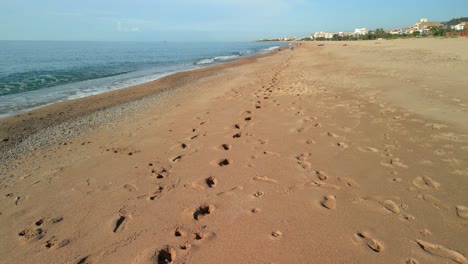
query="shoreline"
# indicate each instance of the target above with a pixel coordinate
(16, 129)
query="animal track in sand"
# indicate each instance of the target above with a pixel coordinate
(211, 182)
(441, 251)
(202, 211)
(237, 126)
(330, 134)
(348, 181)
(370, 242)
(462, 211)
(162, 189)
(426, 182)
(329, 202)
(237, 135)
(165, 255)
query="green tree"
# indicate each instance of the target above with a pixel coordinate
(416, 34)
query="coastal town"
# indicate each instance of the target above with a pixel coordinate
(425, 27)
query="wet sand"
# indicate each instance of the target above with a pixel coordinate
(330, 154)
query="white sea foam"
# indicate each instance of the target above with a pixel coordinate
(217, 59)
(272, 48)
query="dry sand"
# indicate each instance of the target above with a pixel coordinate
(332, 154)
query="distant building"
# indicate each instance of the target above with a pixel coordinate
(424, 24)
(396, 32)
(361, 31)
(461, 26)
(325, 35)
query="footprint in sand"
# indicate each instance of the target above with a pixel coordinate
(121, 223)
(411, 261)
(330, 134)
(321, 175)
(303, 160)
(276, 233)
(202, 211)
(397, 162)
(231, 191)
(258, 194)
(38, 231)
(391, 206)
(179, 232)
(165, 255)
(176, 159)
(160, 173)
(54, 243)
(342, 145)
(160, 192)
(370, 242)
(130, 187)
(265, 179)
(426, 182)
(224, 162)
(211, 182)
(329, 202)
(87, 260)
(462, 211)
(441, 251)
(32, 234)
(226, 146)
(368, 149)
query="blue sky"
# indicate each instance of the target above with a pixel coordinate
(209, 20)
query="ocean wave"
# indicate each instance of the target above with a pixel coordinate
(271, 48)
(34, 80)
(217, 59)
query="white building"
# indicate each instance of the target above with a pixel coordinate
(361, 31)
(460, 26)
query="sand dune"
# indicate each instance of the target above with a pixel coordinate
(324, 154)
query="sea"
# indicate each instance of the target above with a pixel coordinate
(38, 73)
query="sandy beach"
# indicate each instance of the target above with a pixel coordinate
(348, 152)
